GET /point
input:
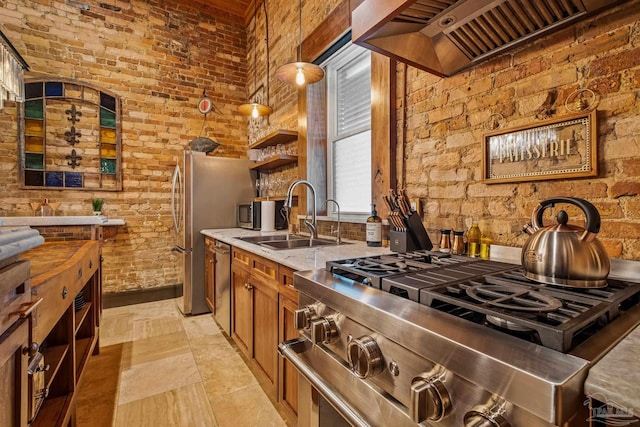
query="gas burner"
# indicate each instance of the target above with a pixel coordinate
(366, 266)
(507, 324)
(514, 298)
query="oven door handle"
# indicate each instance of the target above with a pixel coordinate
(290, 350)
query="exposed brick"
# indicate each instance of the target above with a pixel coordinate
(625, 189)
(607, 65)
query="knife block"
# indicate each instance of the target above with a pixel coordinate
(401, 241)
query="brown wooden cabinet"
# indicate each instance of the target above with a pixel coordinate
(287, 373)
(66, 275)
(255, 312)
(209, 272)
(242, 311)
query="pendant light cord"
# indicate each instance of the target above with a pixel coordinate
(255, 54)
(300, 26)
(266, 37)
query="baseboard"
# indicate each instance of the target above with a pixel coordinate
(138, 296)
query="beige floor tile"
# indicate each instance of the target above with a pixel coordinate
(154, 348)
(221, 368)
(199, 326)
(246, 407)
(148, 328)
(147, 379)
(156, 310)
(116, 329)
(182, 407)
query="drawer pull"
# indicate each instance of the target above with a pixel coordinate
(79, 273)
(90, 264)
(27, 308)
(64, 292)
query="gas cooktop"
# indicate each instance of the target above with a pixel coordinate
(494, 294)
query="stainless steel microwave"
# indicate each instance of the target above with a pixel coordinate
(250, 215)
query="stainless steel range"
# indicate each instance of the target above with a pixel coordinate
(424, 338)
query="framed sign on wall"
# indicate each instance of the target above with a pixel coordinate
(558, 148)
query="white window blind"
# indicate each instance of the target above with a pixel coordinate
(349, 129)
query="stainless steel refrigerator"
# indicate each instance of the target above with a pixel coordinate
(205, 193)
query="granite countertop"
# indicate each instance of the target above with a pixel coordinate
(615, 379)
(298, 259)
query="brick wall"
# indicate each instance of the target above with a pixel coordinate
(442, 156)
(158, 56)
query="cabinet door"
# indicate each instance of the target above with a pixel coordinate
(288, 378)
(265, 329)
(14, 405)
(209, 273)
(242, 311)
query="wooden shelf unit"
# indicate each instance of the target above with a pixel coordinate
(274, 162)
(281, 136)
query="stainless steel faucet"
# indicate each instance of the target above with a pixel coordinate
(338, 238)
(311, 225)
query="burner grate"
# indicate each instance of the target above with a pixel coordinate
(577, 316)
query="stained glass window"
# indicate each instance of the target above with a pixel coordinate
(71, 136)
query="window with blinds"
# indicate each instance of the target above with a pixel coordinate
(349, 129)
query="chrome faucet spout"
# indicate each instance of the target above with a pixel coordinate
(288, 201)
(338, 238)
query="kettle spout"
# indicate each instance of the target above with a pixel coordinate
(529, 229)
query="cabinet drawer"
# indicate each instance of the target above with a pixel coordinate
(240, 258)
(285, 283)
(14, 292)
(264, 268)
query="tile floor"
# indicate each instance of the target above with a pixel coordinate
(158, 368)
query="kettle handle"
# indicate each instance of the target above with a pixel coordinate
(590, 211)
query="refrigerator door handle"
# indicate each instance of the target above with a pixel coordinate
(176, 186)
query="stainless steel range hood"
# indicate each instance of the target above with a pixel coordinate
(446, 36)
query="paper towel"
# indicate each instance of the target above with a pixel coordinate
(268, 215)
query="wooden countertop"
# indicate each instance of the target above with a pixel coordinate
(53, 258)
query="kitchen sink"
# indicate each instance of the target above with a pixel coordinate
(297, 243)
(268, 238)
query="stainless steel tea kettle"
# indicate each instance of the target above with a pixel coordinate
(563, 254)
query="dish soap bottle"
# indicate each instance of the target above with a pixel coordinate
(374, 228)
(474, 238)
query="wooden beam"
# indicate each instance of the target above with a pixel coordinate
(337, 23)
(383, 129)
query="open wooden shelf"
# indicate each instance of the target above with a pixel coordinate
(281, 136)
(53, 356)
(81, 315)
(53, 412)
(84, 347)
(275, 162)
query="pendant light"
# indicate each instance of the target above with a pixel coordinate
(255, 109)
(300, 73)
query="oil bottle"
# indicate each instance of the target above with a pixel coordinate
(474, 238)
(374, 228)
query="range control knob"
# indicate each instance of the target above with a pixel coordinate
(302, 317)
(488, 415)
(430, 400)
(323, 331)
(364, 356)
(480, 419)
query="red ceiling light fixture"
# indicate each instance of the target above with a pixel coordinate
(300, 73)
(255, 109)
